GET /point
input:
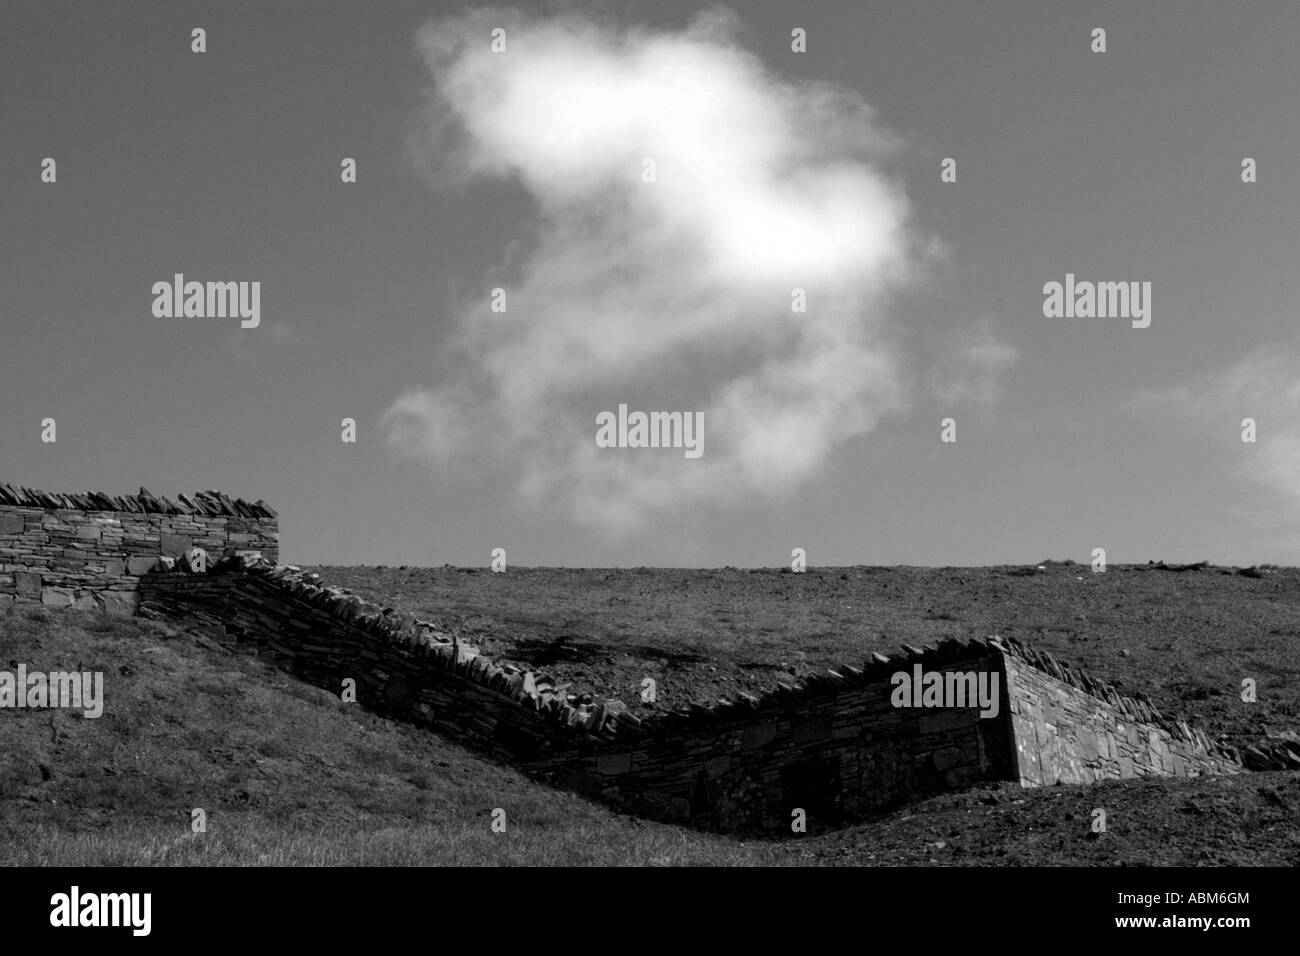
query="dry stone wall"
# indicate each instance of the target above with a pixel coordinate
(90, 550)
(835, 747)
(1071, 728)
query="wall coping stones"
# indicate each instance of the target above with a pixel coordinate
(211, 503)
(424, 637)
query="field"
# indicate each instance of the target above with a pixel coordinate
(287, 774)
(1185, 638)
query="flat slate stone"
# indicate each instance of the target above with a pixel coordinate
(141, 564)
(58, 597)
(119, 602)
(175, 545)
(28, 583)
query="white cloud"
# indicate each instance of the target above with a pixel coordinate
(671, 295)
(971, 367)
(1265, 386)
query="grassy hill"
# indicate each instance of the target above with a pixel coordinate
(1186, 639)
(289, 775)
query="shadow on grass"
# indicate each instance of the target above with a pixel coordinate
(547, 653)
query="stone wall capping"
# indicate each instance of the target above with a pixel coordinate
(702, 712)
(951, 647)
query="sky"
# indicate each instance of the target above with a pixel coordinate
(681, 213)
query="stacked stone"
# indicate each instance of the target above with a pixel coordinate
(733, 765)
(203, 502)
(399, 662)
(1065, 733)
(1272, 754)
(91, 550)
(1140, 710)
(945, 655)
(834, 745)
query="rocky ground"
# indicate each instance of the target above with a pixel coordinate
(288, 774)
(1186, 638)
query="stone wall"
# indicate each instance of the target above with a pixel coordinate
(1070, 728)
(835, 747)
(90, 550)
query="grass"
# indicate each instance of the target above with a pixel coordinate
(244, 842)
(289, 775)
(285, 772)
(1186, 639)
